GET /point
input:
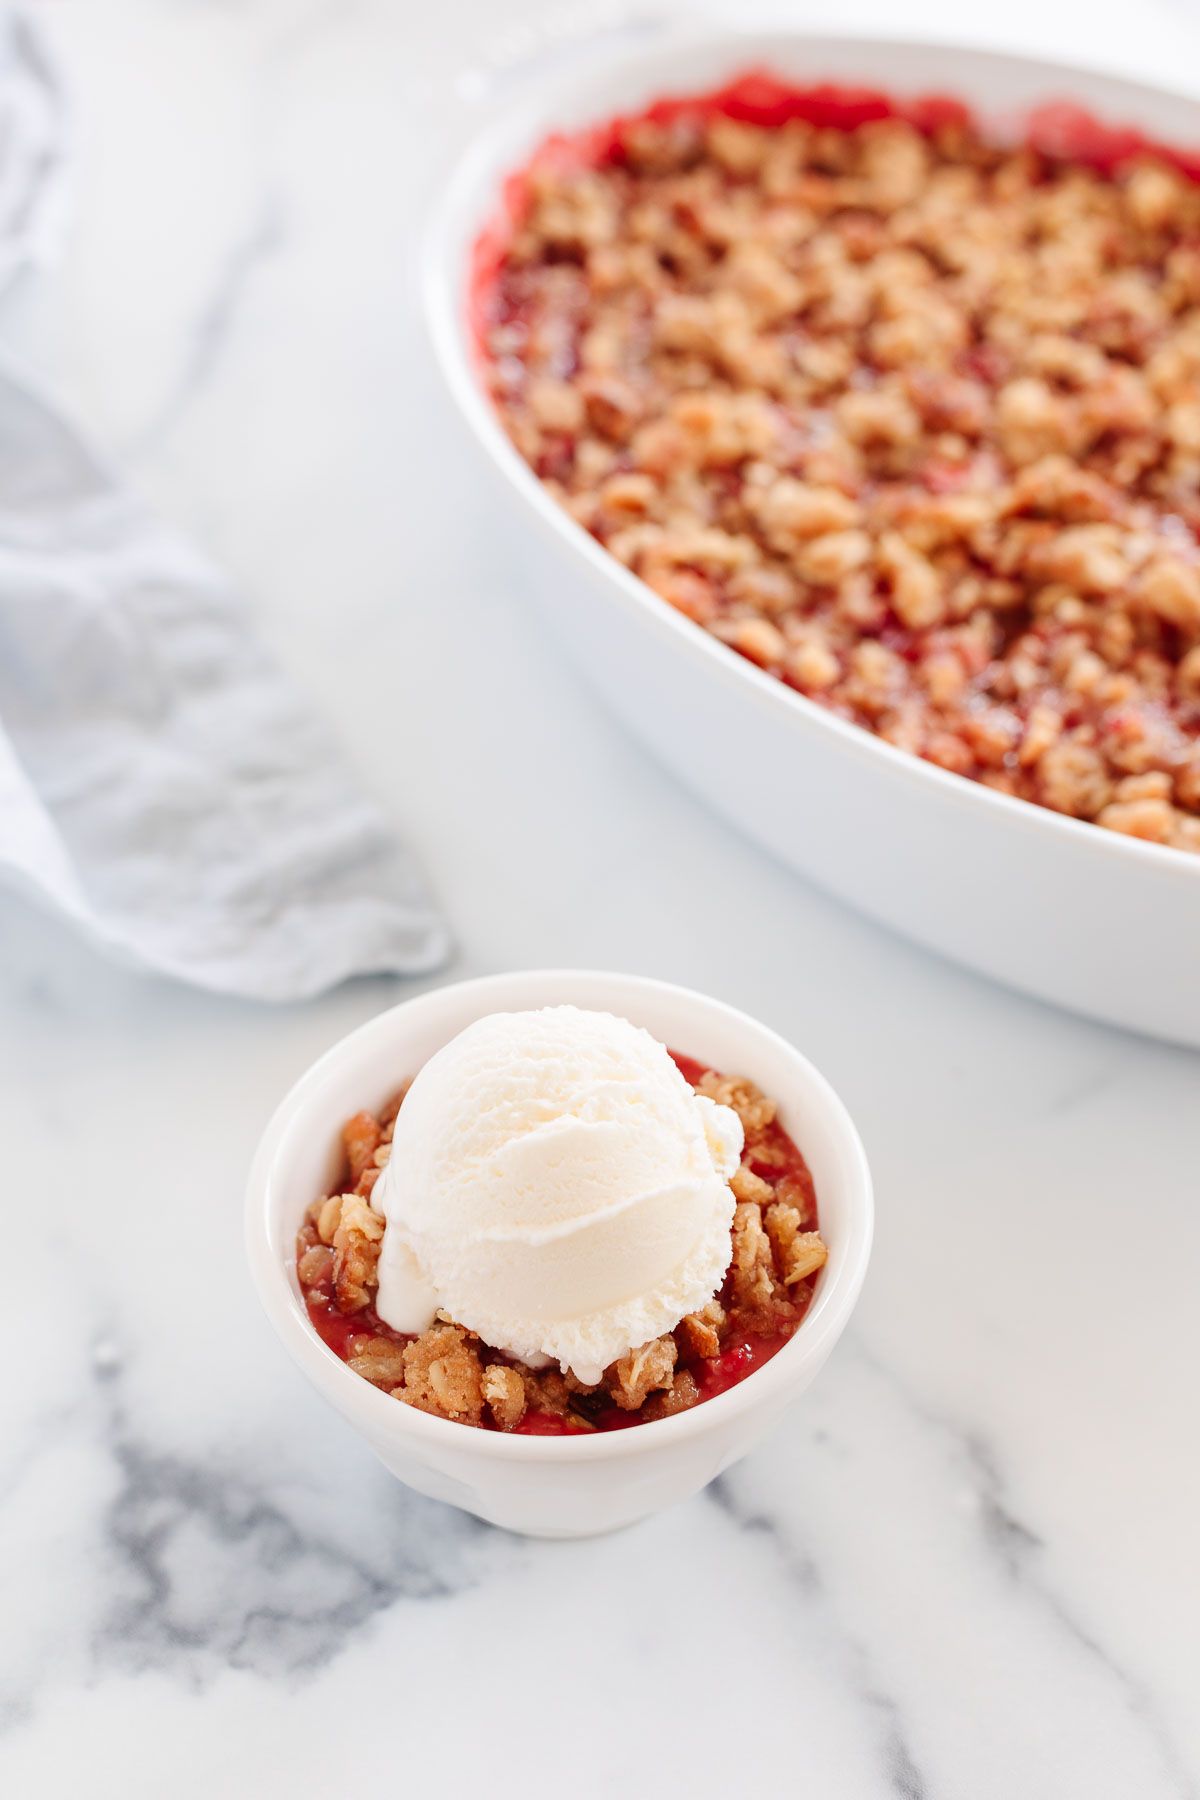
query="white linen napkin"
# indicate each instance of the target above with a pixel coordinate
(162, 785)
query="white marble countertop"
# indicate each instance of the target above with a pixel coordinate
(967, 1567)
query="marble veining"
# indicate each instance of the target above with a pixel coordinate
(1021, 1552)
(801, 1570)
(209, 1572)
(964, 1568)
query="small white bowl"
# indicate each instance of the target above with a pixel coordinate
(571, 1486)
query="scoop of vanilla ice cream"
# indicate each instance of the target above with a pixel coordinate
(557, 1186)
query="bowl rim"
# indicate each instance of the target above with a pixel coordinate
(379, 1413)
(443, 287)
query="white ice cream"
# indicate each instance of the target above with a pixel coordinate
(555, 1185)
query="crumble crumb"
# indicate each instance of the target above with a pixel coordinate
(443, 1374)
(315, 1266)
(746, 1185)
(504, 1395)
(797, 1252)
(361, 1137)
(638, 1374)
(797, 1192)
(751, 1105)
(378, 1360)
(701, 1331)
(752, 1271)
(683, 1393)
(546, 1390)
(347, 1222)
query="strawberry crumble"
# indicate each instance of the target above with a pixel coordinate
(776, 1253)
(909, 419)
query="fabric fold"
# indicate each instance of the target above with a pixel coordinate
(163, 785)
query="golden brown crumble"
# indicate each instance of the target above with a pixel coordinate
(315, 1266)
(910, 421)
(747, 1185)
(355, 1231)
(683, 1392)
(797, 1252)
(504, 1393)
(362, 1136)
(700, 1332)
(637, 1375)
(754, 1282)
(549, 1391)
(754, 1108)
(450, 1372)
(443, 1374)
(379, 1360)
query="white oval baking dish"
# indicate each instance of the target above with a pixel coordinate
(1061, 909)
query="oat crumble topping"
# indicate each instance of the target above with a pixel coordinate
(910, 421)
